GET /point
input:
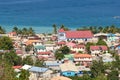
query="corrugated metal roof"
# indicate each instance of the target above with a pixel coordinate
(52, 63)
(38, 69)
(68, 67)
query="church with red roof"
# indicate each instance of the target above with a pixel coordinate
(84, 35)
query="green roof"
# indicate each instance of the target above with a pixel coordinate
(69, 56)
(40, 47)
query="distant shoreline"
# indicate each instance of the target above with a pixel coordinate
(41, 29)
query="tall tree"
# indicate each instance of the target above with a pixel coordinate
(24, 75)
(100, 29)
(55, 28)
(65, 28)
(28, 60)
(65, 50)
(2, 31)
(24, 31)
(97, 68)
(31, 31)
(15, 29)
(6, 43)
(6, 71)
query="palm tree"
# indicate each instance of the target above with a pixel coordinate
(15, 29)
(31, 31)
(55, 28)
(100, 29)
(2, 31)
(65, 28)
(24, 31)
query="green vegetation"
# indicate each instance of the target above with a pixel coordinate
(88, 46)
(24, 31)
(28, 60)
(65, 28)
(24, 75)
(28, 48)
(107, 29)
(59, 55)
(6, 43)
(39, 63)
(55, 28)
(65, 50)
(101, 42)
(97, 68)
(12, 58)
(2, 31)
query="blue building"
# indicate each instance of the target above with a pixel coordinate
(68, 69)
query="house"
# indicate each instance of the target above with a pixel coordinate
(37, 73)
(19, 52)
(33, 42)
(50, 47)
(107, 57)
(79, 47)
(26, 67)
(83, 59)
(79, 36)
(52, 64)
(97, 50)
(69, 56)
(12, 34)
(70, 44)
(39, 48)
(68, 69)
(46, 54)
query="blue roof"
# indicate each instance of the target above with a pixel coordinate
(110, 34)
(38, 69)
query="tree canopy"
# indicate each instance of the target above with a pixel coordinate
(6, 43)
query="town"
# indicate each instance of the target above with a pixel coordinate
(81, 54)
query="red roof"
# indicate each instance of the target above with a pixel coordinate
(61, 43)
(79, 34)
(61, 30)
(16, 67)
(18, 52)
(13, 33)
(79, 46)
(40, 53)
(98, 48)
(78, 55)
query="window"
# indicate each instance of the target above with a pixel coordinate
(61, 34)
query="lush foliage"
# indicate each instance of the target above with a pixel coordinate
(24, 31)
(65, 28)
(97, 68)
(6, 71)
(107, 29)
(59, 55)
(6, 43)
(55, 28)
(65, 50)
(101, 42)
(39, 63)
(28, 60)
(12, 58)
(2, 31)
(28, 48)
(24, 75)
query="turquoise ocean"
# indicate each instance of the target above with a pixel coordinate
(42, 14)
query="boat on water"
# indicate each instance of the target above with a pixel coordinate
(116, 17)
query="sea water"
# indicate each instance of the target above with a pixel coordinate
(42, 14)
